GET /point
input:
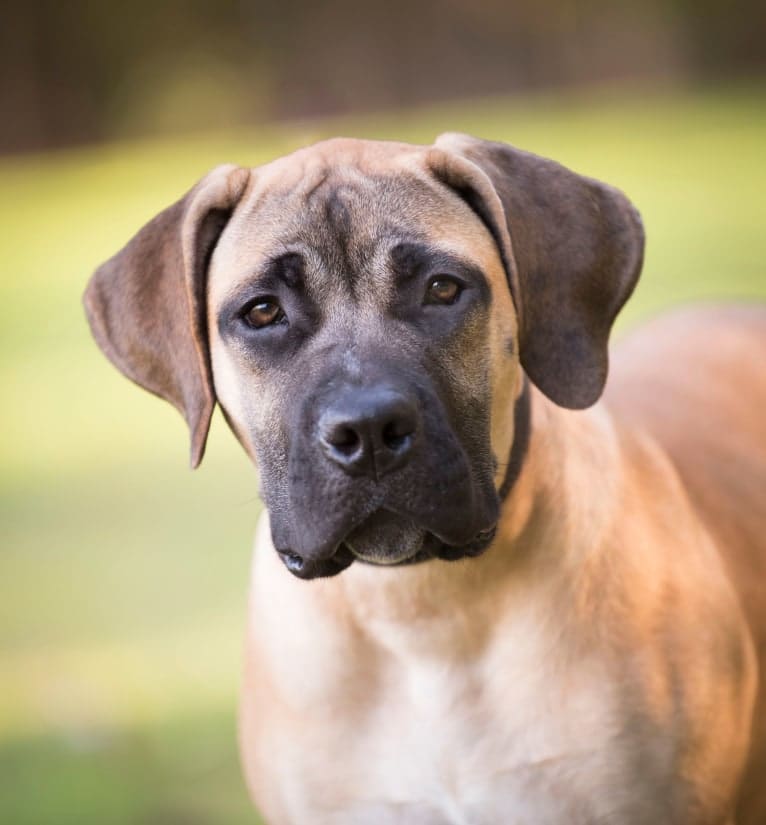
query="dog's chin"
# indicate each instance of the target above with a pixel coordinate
(386, 539)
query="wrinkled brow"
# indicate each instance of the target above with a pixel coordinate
(288, 268)
(412, 259)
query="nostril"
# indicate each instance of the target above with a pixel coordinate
(368, 432)
(344, 439)
(397, 434)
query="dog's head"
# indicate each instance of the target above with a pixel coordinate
(364, 314)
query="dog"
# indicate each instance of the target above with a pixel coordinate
(528, 606)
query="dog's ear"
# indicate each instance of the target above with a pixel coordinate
(146, 305)
(572, 249)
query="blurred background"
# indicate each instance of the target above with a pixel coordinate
(123, 576)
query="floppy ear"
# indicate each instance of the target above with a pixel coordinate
(146, 305)
(572, 249)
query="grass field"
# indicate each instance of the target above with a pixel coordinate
(122, 575)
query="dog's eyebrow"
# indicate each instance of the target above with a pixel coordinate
(409, 259)
(288, 267)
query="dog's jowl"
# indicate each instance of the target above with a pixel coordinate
(480, 593)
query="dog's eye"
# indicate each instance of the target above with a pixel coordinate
(263, 313)
(443, 290)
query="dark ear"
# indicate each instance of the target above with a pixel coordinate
(146, 305)
(572, 248)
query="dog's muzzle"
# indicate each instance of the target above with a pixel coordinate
(377, 474)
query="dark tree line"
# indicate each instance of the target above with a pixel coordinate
(85, 70)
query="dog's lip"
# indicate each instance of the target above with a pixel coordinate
(381, 561)
(432, 547)
(305, 568)
(340, 555)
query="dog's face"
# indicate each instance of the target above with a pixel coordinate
(361, 326)
(362, 313)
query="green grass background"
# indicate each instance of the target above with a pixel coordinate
(122, 575)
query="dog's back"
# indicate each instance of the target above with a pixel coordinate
(696, 380)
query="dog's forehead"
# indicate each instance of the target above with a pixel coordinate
(344, 187)
(345, 204)
(366, 156)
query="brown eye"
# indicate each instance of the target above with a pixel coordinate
(263, 314)
(443, 290)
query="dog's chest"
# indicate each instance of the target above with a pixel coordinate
(510, 733)
(482, 746)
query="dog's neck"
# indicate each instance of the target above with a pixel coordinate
(553, 515)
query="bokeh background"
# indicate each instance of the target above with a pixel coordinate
(123, 576)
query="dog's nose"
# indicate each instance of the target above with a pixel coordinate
(369, 432)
